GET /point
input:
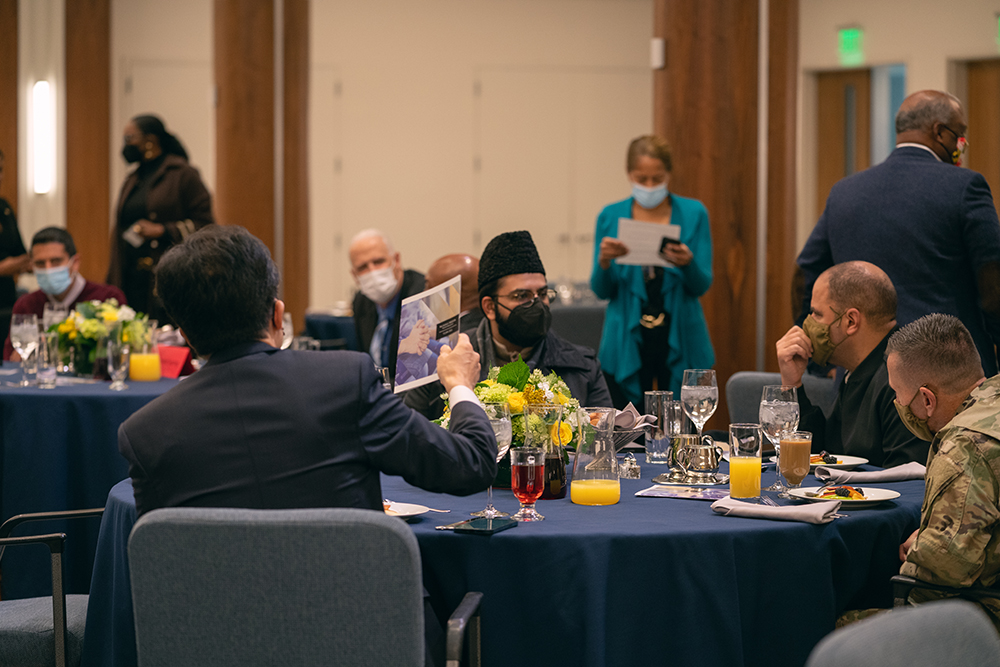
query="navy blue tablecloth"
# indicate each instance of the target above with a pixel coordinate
(646, 581)
(59, 451)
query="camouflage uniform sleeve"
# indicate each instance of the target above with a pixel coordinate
(958, 517)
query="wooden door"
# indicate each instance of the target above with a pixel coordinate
(983, 154)
(844, 115)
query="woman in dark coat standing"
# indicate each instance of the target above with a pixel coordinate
(161, 203)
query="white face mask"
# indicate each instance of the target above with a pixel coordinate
(379, 285)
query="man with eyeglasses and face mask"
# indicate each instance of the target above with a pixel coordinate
(852, 315)
(56, 265)
(515, 296)
(943, 397)
(931, 226)
(382, 286)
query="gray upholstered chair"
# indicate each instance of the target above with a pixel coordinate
(950, 632)
(743, 391)
(41, 632)
(282, 587)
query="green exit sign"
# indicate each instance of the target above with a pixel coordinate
(850, 46)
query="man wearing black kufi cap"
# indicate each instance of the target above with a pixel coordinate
(514, 295)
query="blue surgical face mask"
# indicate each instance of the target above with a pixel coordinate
(54, 281)
(649, 197)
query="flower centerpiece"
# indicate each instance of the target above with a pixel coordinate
(520, 387)
(90, 322)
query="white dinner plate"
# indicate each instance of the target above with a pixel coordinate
(846, 463)
(873, 496)
(405, 510)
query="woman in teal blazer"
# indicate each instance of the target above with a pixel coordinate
(654, 327)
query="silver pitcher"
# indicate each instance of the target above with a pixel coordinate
(696, 458)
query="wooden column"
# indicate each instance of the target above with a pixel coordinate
(705, 105)
(9, 95)
(782, 247)
(245, 131)
(88, 113)
(244, 79)
(296, 163)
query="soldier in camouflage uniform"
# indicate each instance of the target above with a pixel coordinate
(942, 396)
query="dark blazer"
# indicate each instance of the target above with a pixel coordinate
(366, 313)
(930, 226)
(259, 427)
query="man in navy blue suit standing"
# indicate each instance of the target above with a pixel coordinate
(930, 225)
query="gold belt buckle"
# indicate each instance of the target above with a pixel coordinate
(145, 264)
(651, 322)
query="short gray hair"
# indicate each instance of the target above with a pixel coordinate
(937, 349)
(922, 115)
(368, 233)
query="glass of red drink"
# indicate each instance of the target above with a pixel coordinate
(527, 480)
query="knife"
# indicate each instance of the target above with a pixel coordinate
(453, 526)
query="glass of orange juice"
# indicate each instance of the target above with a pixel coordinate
(144, 362)
(744, 460)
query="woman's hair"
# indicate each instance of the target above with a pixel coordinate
(649, 145)
(170, 145)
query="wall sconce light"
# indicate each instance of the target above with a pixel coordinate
(43, 137)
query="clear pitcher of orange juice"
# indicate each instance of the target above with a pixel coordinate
(595, 466)
(144, 363)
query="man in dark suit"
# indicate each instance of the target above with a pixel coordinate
(261, 427)
(382, 286)
(931, 226)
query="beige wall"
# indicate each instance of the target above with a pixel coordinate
(928, 36)
(445, 122)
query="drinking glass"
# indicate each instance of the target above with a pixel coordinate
(53, 315)
(527, 480)
(595, 466)
(24, 338)
(48, 359)
(796, 450)
(779, 414)
(144, 355)
(699, 396)
(658, 404)
(744, 460)
(499, 414)
(118, 359)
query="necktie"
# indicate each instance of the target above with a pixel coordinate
(378, 338)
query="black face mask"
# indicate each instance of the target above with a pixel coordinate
(131, 153)
(527, 324)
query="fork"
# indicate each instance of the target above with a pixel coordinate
(767, 501)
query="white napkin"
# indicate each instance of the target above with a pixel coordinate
(811, 513)
(911, 470)
(629, 418)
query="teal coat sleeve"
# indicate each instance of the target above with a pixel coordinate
(624, 287)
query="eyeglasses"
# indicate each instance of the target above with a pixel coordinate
(963, 143)
(523, 296)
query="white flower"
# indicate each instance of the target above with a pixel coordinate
(125, 314)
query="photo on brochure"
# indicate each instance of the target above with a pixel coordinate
(427, 321)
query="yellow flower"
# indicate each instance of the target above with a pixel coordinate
(563, 435)
(560, 399)
(66, 326)
(488, 382)
(533, 395)
(72, 335)
(110, 316)
(516, 402)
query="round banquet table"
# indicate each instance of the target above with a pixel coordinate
(59, 451)
(647, 581)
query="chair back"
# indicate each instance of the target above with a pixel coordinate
(268, 587)
(744, 389)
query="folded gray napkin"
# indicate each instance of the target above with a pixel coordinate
(812, 513)
(629, 418)
(911, 470)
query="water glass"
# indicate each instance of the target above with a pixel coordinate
(779, 414)
(699, 396)
(500, 422)
(53, 315)
(658, 404)
(527, 480)
(745, 442)
(119, 353)
(48, 359)
(24, 338)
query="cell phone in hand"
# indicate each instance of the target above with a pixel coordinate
(668, 242)
(132, 237)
